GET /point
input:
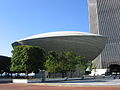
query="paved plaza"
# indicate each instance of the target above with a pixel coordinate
(91, 84)
(79, 83)
(45, 87)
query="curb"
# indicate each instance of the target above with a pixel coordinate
(71, 85)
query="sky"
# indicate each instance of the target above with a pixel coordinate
(23, 18)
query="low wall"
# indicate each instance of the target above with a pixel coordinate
(4, 80)
(27, 80)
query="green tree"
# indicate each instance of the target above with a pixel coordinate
(67, 62)
(51, 63)
(62, 63)
(82, 64)
(27, 59)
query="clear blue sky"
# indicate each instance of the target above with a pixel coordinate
(23, 18)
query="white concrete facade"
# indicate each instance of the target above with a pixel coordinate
(82, 43)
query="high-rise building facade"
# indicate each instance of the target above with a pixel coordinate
(104, 18)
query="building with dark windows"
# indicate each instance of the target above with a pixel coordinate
(104, 18)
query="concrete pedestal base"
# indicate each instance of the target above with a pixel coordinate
(26, 80)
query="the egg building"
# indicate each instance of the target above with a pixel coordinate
(82, 43)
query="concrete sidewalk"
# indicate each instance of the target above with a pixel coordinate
(77, 83)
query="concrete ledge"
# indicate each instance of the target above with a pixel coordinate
(5, 80)
(26, 80)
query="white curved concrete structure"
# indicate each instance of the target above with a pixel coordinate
(84, 44)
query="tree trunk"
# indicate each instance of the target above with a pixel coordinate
(26, 75)
(71, 74)
(1, 75)
(62, 75)
(11, 75)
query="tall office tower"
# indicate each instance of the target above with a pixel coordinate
(105, 20)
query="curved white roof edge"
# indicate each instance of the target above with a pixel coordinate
(60, 33)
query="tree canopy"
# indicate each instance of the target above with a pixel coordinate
(65, 62)
(52, 62)
(32, 58)
(27, 59)
(82, 63)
